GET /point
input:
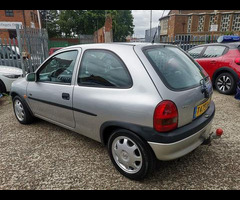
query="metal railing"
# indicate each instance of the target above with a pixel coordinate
(27, 51)
(188, 41)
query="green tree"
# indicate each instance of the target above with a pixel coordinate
(74, 22)
(67, 22)
(122, 25)
(50, 19)
(70, 23)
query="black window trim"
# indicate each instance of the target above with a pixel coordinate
(49, 60)
(101, 86)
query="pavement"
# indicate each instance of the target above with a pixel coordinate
(43, 156)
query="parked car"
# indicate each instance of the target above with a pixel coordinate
(221, 61)
(237, 95)
(143, 101)
(53, 49)
(7, 76)
(10, 54)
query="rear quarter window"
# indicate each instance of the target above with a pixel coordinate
(174, 67)
(214, 51)
(103, 68)
(196, 52)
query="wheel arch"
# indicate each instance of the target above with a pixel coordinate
(223, 70)
(14, 94)
(4, 86)
(109, 127)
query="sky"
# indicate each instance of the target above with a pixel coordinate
(142, 20)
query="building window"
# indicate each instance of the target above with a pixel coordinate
(34, 17)
(200, 23)
(12, 34)
(225, 21)
(165, 24)
(9, 13)
(211, 21)
(189, 25)
(236, 22)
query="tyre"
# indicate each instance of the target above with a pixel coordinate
(131, 155)
(22, 111)
(225, 83)
(2, 87)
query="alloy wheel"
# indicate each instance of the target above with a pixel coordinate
(224, 83)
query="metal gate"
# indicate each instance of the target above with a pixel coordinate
(33, 47)
(27, 52)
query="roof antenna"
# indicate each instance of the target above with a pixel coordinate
(154, 36)
(156, 29)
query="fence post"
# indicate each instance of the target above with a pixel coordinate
(20, 49)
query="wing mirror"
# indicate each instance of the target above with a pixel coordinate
(31, 77)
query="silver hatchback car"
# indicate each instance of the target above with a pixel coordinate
(143, 101)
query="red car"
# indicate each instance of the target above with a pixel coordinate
(53, 49)
(222, 63)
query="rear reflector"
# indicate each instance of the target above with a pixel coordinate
(237, 61)
(165, 116)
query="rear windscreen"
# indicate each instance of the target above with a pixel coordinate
(174, 67)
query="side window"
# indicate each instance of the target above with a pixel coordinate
(213, 51)
(102, 68)
(195, 53)
(59, 69)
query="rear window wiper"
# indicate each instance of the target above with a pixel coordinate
(204, 89)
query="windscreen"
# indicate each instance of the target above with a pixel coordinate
(174, 67)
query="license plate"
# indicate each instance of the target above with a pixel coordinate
(200, 109)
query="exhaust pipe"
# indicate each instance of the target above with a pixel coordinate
(212, 136)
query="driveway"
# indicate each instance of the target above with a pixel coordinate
(45, 156)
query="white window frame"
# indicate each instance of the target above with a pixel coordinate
(201, 23)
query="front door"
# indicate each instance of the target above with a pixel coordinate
(211, 58)
(50, 97)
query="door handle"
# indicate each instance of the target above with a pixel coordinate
(213, 61)
(65, 96)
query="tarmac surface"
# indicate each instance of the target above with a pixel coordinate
(43, 156)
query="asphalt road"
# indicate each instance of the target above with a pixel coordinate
(45, 156)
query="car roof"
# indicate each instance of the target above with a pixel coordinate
(231, 45)
(115, 44)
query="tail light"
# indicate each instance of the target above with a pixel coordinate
(165, 116)
(237, 61)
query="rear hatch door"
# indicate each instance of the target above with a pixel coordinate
(178, 78)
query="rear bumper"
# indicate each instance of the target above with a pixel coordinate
(185, 139)
(180, 148)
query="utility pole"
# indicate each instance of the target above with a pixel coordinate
(39, 20)
(150, 23)
(24, 19)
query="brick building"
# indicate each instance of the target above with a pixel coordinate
(199, 22)
(9, 19)
(104, 34)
